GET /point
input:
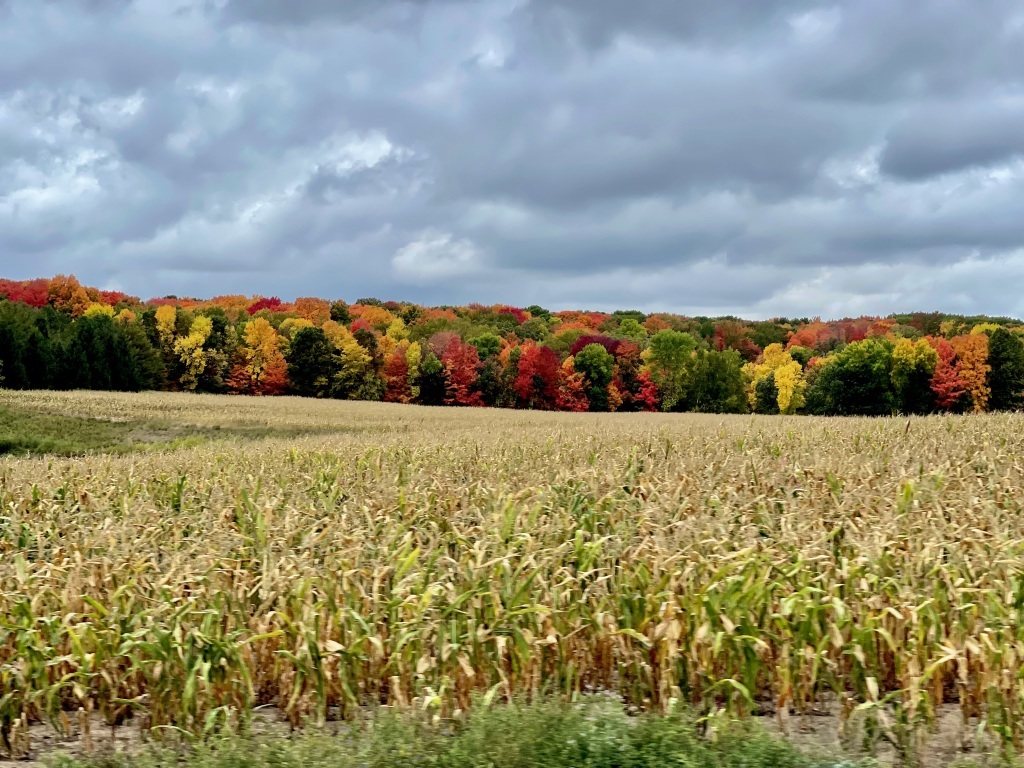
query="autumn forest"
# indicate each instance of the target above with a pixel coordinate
(59, 334)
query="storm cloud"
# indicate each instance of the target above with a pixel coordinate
(751, 157)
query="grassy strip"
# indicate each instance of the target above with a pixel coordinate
(29, 432)
(25, 432)
(594, 734)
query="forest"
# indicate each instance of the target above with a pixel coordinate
(59, 334)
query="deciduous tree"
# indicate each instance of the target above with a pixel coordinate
(913, 365)
(191, 353)
(855, 381)
(537, 382)
(572, 390)
(669, 359)
(946, 384)
(461, 363)
(598, 368)
(397, 388)
(787, 381)
(972, 352)
(262, 368)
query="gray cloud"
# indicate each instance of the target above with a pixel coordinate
(599, 22)
(778, 156)
(944, 138)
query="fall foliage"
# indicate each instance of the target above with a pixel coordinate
(972, 353)
(53, 332)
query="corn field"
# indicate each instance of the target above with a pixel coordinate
(431, 558)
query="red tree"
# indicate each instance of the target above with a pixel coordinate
(946, 381)
(113, 298)
(520, 315)
(612, 345)
(461, 365)
(732, 334)
(572, 390)
(35, 293)
(536, 385)
(361, 325)
(274, 380)
(628, 363)
(272, 303)
(647, 396)
(396, 378)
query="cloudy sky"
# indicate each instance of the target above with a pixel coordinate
(758, 157)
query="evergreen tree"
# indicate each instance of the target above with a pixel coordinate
(149, 364)
(431, 380)
(766, 395)
(1006, 377)
(312, 363)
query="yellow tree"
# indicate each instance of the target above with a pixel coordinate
(396, 335)
(788, 375)
(413, 355)
(950, 328)
(972, 351)
(166, 318)
(378, 317)
(355, 360)
(262, 347)
(262, 367)
(913, 365)
(99, 309)
(397, 330)
(190, 350)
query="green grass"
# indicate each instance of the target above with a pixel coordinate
(25, 432)
(595, 734)
(29, 432)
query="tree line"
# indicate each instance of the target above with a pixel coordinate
(58, 334)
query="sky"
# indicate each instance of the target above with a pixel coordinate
(749, 157)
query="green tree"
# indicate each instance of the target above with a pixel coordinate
(766, 395)
(313, 363)
(372, 386)
(506, 393)
(765, 332)
(802, 355)
(431, 380)
(632, 330)
(148, 361)
(26, 348)
(913, 365)
(717, 385)
(488, 381)
(598, 367)
(1006, 377)
(487, 345)
(855, 381)
(669, 358)
(535, 328)
(340, 313)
